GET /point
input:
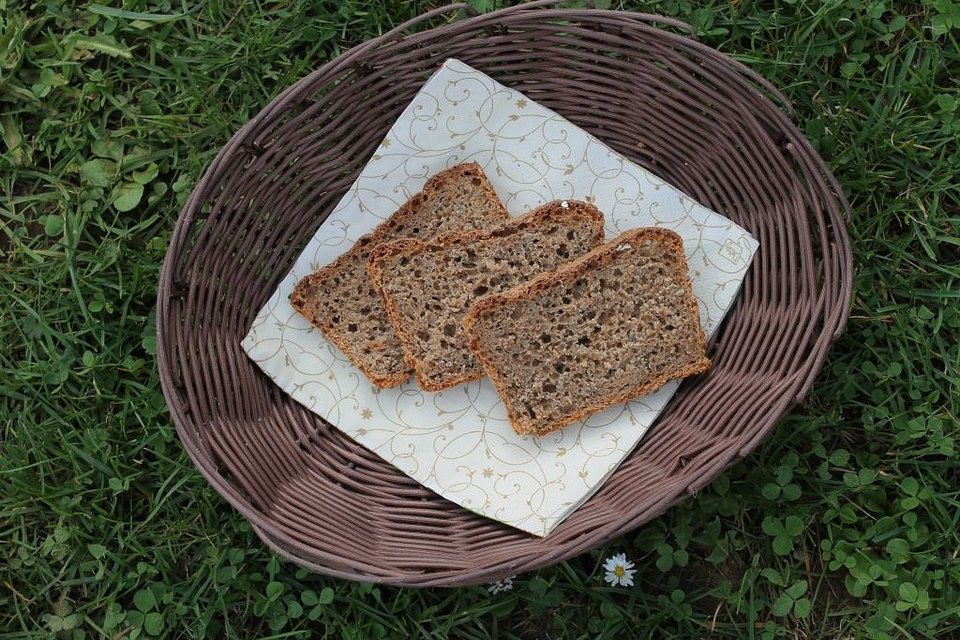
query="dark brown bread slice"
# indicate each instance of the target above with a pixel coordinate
(613, 325)
(428, 286)
(341, 301)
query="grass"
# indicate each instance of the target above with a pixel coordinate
(843, 524)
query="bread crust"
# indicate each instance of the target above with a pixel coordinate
(600, 256)
(408, 247)
(379, 235)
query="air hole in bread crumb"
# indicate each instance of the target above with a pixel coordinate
(549, 387)
(476, 182)
(352, 327)
(449, 330)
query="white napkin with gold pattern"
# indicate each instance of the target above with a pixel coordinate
(458, 442)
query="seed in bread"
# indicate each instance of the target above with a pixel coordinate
(428, 286)
(340, 299)
(613, 325)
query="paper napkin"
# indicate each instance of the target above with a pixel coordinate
(458, 442)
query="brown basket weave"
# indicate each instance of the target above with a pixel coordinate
(686, 112)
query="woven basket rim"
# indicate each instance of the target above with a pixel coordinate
(838, 290)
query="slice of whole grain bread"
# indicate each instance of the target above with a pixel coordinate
(429, 285)
(613, 325)
(342, 302)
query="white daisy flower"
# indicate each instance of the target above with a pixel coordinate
(619, 570)
(498, 586)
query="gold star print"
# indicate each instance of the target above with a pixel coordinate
(521, 103)
(487, 472)
(385, 143)
(366, 414)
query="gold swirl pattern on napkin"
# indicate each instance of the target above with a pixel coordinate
(458, 442)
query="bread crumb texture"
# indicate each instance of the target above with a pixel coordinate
(618, 323)
(343, 303)
(429, 286)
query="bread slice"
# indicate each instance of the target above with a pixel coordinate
(613, 325)
(429, 285)
(341, 301)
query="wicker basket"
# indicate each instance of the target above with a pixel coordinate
(689, 114)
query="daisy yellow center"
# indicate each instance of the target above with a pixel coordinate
(618, 571)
